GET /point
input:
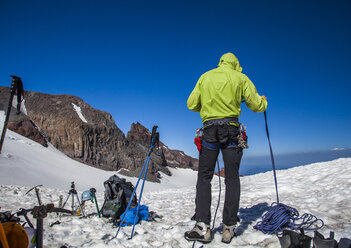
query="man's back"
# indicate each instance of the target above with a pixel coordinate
(219, 92)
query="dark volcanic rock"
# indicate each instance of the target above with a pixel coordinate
(20, 123)
(92, 137)
(173, 158)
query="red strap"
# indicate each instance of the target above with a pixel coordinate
(244, 135)
(197, 142)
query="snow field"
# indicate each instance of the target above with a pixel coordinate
(322, 189)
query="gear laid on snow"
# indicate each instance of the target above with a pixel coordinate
(291, 239)
(132, 216)
(154, 143)
(16, 235)
(281, 216)
(89, 195)
(118, 192)
(73, 193)
(320, 242)
(12, 234)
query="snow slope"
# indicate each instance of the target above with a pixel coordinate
(322, 189)
(25, 162)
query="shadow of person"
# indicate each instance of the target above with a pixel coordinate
(250, 215)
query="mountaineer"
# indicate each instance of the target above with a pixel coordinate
(217, 96)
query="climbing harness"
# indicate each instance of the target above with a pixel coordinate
(241, 138)
(281, 216)
(154, 142)
(228, 120)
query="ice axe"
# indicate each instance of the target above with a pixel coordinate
(36, 192)
(16, 85)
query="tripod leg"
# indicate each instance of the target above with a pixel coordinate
(63, 206)
(72, 202)
(80, 205)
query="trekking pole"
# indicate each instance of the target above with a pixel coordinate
(272, 157)
(14, 85)
(281, 216)
(154, 141)
(141, 193)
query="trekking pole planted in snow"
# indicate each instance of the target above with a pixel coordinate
(281, 216)
(272, 157)
(15, 86)
(154, 141)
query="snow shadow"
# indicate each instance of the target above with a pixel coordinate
(250, 216)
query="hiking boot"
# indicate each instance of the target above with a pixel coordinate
(228, 233)
(201, 232)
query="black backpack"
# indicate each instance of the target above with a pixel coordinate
(117, 195)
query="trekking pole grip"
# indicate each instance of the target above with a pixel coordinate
(155, 137)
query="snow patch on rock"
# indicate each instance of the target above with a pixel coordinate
(79, 112)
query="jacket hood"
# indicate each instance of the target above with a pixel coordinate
(230, 60)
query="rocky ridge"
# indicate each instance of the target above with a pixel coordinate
(91, 136)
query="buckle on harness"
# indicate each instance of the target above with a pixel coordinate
(198, 132)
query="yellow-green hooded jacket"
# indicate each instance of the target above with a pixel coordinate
(219, 92)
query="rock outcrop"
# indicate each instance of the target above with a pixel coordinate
(20, 123)
(91, 136)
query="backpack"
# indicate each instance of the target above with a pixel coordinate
(117, 195)
(13, 234)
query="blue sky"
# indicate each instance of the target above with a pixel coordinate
(139, 61)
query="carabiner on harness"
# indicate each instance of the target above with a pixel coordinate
(242, 137)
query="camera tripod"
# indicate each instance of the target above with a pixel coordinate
(73, 193)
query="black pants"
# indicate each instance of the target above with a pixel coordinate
(219, 134)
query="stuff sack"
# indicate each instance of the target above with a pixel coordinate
(16, 236)
(130, 217)
(117, 195)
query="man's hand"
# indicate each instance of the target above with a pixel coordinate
(264, 97)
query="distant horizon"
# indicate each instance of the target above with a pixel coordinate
(251, 165)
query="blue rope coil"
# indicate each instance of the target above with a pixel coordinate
(281, 216)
